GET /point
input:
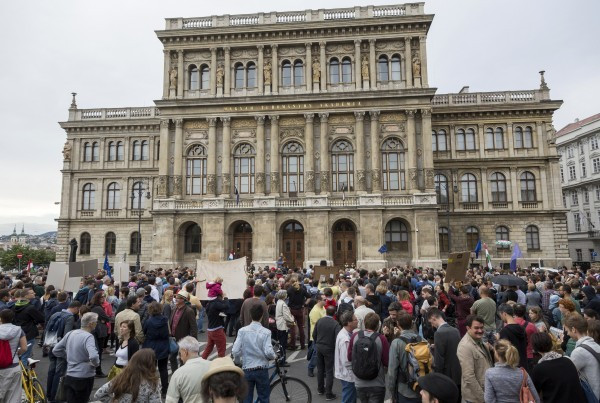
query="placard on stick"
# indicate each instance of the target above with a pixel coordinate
(458, 264)
(324, 272)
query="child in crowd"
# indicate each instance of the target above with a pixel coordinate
(214, 288)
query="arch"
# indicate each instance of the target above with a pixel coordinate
(498, 187)
(396, 70)
(204, 77)
(85, 241)
(145, 150)
(343, 242)
(113, 196)
(193, 77)
(88, 194)
(135, 243)
(286, 73)
(241, 236)
(346, 70)
(383, 68)
(136, 150)
(238, 75)
(532, 234)
(397, 235)
(192, 238)
(120, 151)
(342, 163)
(251, 75)
(110, 243)
(528, 188)
(195, 150)
(292, 243)
(334, 70)
(472, 234)
(87, 151)
(298, 73)
(95, 151)
(292, 162)
(468, 188)
(392, 164)
(112, 151)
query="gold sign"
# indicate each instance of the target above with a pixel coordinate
(293, 106)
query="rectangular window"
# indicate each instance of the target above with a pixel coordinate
(579, 254)
(570, 152)
(572, 174)
(564, 200)
(596, 165)
(586, 196)
(583, 170)
(577, 222)
(594, 143)
(597, 192)
(592, 255)
(574, 198)
(562, 174)
(581, 148)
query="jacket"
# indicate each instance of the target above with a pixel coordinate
(28, 318)
(101, 330)
(282, 315)
(445, 360)
(156, 329)
(146, 394)
(213, 309)
(398, 363)
(130, 314)
(325, 334)
(186, 326)
(503, 384)
(474, 359)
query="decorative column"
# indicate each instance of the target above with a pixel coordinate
(324, 158)
(361, 179)
(178, 160)
(408, 62)
(260, 155)
(227, 71)
(427, 150)
(261, 66)
(226, 158)
(163, 162)
(481, 135)
(412, 151)
(180, 73)
(423, 52)
(213, 71)
(510, 140)
(274, 155)
(308, 65)
(274, 70)
(167, 54)
(372, 64)
(375, 154)
(323, 63)
(211, 169)
(357, 73)
(309, 170)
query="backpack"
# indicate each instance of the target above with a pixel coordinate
(419, 361)
(344, 307)
(55, 329)
(366, 359)
(82, 295)
(6, 354)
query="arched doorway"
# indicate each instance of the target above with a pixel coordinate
(242, 240)
(292, 244)
(344, 243)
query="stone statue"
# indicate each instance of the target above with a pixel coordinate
(67, 151)
(416, 66)
(364, 69)
(220, 75)
(173, 77)
(316, 70)
(267, 73)
(73, 254)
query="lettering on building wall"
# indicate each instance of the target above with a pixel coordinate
(299, 106)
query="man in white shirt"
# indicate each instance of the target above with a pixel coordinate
(361, 310)
(185, 382)
(343, 367)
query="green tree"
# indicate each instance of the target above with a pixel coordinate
(9, 260)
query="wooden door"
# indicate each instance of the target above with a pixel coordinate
(292, 243)
(242, 241)
(344, 243)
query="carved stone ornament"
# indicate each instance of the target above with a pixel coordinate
(275, 182)
(310, 181)
(67, 151)
(316, 70)
(173, 78)
(267, 73)
(364, 69)
(341, 130)
(392, 128)
(292, 121)
(177, 184)
(260, 182)
(391, 117)
(361, 179)
(429, 178)
(162, 185)
(376, 179)
(341, 119)
(412, 176)
(194, 135)
(220, 74)
(243, 134)
(324, 181)
(317, 155)
(243, 123)
(416, 66)
(211, 184)
(419, 152)
(368, 154)
(226, 183)
(195, 124)
(293, 132)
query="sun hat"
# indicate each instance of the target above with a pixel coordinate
(223, 364)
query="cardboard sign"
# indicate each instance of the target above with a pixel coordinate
(325, 272)
(458, 264)
(120, 272)
(82, 269)
(233, 273)
(57, 273)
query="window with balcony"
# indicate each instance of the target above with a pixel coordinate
(532, 234)
(573, 174)
(292, 162)
(574, 198)
(498, 187)
(88, 194)
(113, 196)
(342, 166)
(393, 169)
(244, 171)
(468, 188)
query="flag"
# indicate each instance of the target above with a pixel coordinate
(237, 196)
(29, 265)
(488, 257)
(107, 266)
(383, 249)
(515, 255)
(477, 249)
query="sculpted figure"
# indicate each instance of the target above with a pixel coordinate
(416, 66)
(267, 73)
(365, 68)
(67, 151)
(220, 74)
(173, 77)
(316, 69)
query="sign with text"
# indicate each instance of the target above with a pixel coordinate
(458, 263)
(325, 272)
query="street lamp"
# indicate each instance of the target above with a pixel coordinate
(444, 186)
(140, 192)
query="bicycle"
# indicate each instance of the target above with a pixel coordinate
(34, 392)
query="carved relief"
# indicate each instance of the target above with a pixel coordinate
(364, 69)
(226, 183)
(196, 56)
(316, 70)
(196, 124)
(67, 151)
(429, 178)
(343, 130)
(162, 185)
(392, 117)
(310, 181)
(260, 182)
(294, 132)
(416, 65)
(324, 181)
(220, 74)
(243, 134)
(275, 182)
(177, 184)
(211, 184)
(341, 119)
(196, 135)
(361, 179)
(292, 121)
(376, 179)
(267, 70)
(389, 45)
(243, 123)
(392, 128)
(412, 177)
(173, 78)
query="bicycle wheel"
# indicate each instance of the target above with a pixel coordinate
(37, 392)
(290, 389)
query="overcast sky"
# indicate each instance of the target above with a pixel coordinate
(107, 52)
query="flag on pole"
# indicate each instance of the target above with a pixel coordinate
(383, 249)
(477, 249)
(107, 266)
(488, 257)
(29, 265)
(237, 196)
(515, 255)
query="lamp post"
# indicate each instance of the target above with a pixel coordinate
(455, 190)
(140, 192)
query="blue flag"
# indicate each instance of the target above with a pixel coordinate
(106, 265)
(383, 249)
(477, 249)
(515, 255)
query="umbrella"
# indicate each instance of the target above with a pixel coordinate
(508, 280)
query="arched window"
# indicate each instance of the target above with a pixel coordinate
(527, 138)
(137, 196)
(193, 239)
(444, 237)
(112, 151)
(293, 167)
(205, 77)
(532, 234)
(95, 151)
(286, 73)
(441, 188)
(396, 75)
(518, 137)
(87, 202)
(396, 236)
(469, 188)
(528, 193)
(195, 177)
(120, 151)
(87, 152)
(145, 150)
(137, 150)
(298, 73)
(498, 182)
(135, 243)
(85, 241)
(346, 70)
(470, 139)
(243, 161)
(472, 238)
(110, 243)
(251, 75)
(502, 234)
(239, 75)
(460, 140)
(334, 71)
(194, 77)
(392, 153)
(384, 74)
(113, 196)
(438, 141)
(342, 166)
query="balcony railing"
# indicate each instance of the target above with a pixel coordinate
(487, 98)
(469, 206)
(529, 205)
(114, 113)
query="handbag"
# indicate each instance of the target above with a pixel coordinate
(173, 347)
(60, 390)
(525, 393)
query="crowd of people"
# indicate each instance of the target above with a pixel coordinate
(405, 333)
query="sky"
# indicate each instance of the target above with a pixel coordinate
(107, 52)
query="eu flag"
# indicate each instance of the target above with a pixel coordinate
(106, 265)
(383, 249)
(477, 249)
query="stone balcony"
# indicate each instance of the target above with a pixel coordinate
(290, 17)
(146, 112)
(489, 98)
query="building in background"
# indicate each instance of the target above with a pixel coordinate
(315, 134)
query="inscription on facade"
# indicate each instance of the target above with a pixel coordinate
(298, 106)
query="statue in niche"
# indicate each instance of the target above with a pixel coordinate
(364, 69)
(416, 66)
(267, 73)
(67, 151)
(173, 78)
(316, 70)
(220, 75)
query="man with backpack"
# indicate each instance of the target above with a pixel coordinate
(324, 335)
(28, 317)
(369, 352)
(586, 355)
(85, 293)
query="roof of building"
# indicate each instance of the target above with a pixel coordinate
(571, 127)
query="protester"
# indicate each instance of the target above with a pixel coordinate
(184, 383)
(586, 354)
(215, 312)
(130, 313)
(397, 373)
(127, 346)
(284, 320)
(324, 336)
(297, 295)
(438, 388)
(446, 340)
(475, 359)
(224, 382)
(245, 317)
(10, 376)
(316, 313)
(485, 307)
(101, 331)
(463, 302)
(343, 367)
(513, 332)
(361, 310)
(28, 318)
(156, 331)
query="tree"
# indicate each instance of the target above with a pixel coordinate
(40, 257)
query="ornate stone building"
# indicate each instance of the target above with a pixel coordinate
(315, 134)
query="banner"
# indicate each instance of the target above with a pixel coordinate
(120, 272)
(57, 273)
(83, 269)
(233, 273)
(458, 263)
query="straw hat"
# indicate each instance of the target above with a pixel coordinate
(223, 364)
(183, 294)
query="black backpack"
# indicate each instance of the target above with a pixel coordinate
(365, 357)
(344, 307)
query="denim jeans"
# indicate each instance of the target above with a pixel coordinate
(348, 392)
(28, 352)
(312, 363)
(57, 368)
(260, 379)
(200, 320)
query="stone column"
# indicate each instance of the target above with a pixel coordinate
(323, 63)
(481, 135)
(274, 155)
(308, 64)
(163, 162)
(167, 54)
(510, 140)
(484, 189)
(357, 73)
(178, 160)
(427, 150)
(375, 153)
(226, 158)
(227, 71)
(213, 71)
(274, 70)
(359, 163)
(372, 64)
(423, 52)
(324, 158)
(411, 152)
(408, 62)
(260, 67)
(309, 170)
(180, 74)
(211, 169)
(260, 155)
(451, 141)
(514, 189)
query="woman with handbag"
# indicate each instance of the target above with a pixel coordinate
(156, 329)
(284, 321)
(126, 349)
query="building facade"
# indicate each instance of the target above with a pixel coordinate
(578, 149)
(315, 134)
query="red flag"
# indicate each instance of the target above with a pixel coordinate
(29, 265)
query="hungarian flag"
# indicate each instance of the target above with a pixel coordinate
(29, 265)
(488, 258)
